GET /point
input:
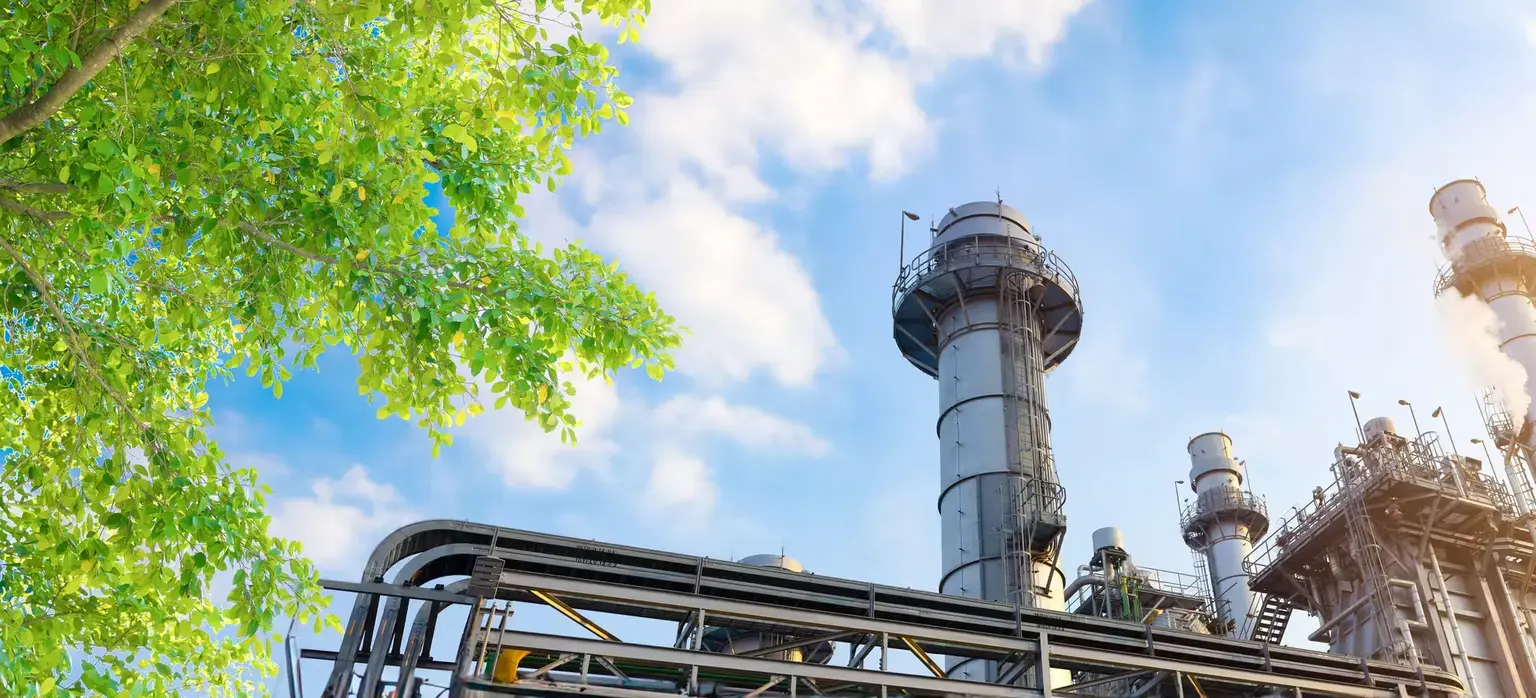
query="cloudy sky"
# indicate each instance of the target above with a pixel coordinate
(1240, 188)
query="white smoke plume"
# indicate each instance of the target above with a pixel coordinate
(1471, 333)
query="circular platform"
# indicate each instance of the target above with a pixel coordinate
(978, 264)
(1224, 505)
(1487, 259)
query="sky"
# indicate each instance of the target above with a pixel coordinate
(1241, 190)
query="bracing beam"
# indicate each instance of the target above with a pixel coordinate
(574, 615)
(923, 657)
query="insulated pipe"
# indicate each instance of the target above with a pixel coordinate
(1080, 582)
(1450, 614)
(1321, 634)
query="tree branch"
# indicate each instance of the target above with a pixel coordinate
(26, 210)
(263, 235)
(29, 115)
(76, 346)
(33, 187)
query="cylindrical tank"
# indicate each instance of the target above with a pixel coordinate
(1223, 524)
(729, 641)
(1378, 427)
(1108, 537)
(987, 311)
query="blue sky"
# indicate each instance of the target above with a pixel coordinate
(1240, 189)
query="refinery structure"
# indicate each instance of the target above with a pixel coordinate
(1416, 559)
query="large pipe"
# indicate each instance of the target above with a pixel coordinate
(1223, 524)
(1450, 614)
(1322, 632)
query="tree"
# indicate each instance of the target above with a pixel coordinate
(189, 189)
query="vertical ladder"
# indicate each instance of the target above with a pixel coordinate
(1030, 494)
(1366, 551)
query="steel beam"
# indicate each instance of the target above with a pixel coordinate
(751, 666)
(800, 642)
(396, 591)
(953, 643)
(937, 640)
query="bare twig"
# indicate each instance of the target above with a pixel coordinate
(29, 115)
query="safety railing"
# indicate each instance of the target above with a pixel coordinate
(1213, 502)
(1481, 253)
(983, 251)
(1420, 461)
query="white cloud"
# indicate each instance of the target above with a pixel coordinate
(805, 83)
(524, 455)
(748, 303)
(747, 425)
(680, 486)
(343, 520)
(940, 30)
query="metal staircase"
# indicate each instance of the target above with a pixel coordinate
(1269, 622)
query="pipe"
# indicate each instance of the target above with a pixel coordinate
(1081, 582)
(1515, 618)
(1320, 635)
(1450, 613)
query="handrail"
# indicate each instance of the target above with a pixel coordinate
(977, 249)
(1482, 252)
(1420, 460)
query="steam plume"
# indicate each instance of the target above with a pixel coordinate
(1471, 333)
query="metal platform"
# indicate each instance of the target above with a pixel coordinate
(576, 575)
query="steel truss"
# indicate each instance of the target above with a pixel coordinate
(1109, 658)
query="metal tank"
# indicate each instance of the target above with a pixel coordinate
(988, 311)
(730, 641)
(1222, 525)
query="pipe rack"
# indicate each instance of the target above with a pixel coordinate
(592, 576)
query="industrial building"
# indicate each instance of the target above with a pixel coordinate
(1416, 559)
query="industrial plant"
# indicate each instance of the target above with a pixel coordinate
(1416, 559)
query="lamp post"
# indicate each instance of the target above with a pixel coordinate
(1521, 211)
(1359, 429)
(905, 216)
(1486, 452)
(1178, 503)
(1417, 432)
(1456, 466)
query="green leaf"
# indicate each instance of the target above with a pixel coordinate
(215, 224)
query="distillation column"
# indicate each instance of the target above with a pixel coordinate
(988, 311)
(1222, 525)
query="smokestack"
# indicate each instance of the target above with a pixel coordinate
(987, 311)
(1489, 283)
(1222, 525)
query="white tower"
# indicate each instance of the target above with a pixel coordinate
(1485, 263)
(987, 311)
(1222, 524)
